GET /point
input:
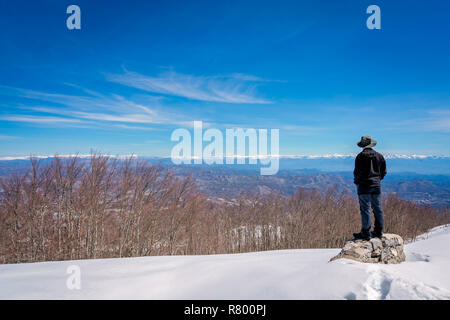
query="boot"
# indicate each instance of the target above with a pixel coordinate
(363, 235)
(376, 234)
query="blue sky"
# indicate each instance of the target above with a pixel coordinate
(137, 70)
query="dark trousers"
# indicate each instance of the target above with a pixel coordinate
(366, 201)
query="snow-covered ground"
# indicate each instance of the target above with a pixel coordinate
(285, 274)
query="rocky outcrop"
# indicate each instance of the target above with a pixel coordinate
(388, 249)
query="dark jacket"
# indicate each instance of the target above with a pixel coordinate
(370, 169)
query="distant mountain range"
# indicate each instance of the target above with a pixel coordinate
(227, 182)
(423, 179)
(421, 164)
(323, 156)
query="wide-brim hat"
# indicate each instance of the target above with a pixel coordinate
(366, 142)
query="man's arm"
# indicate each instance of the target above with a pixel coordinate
(382, 167)
(357, 171)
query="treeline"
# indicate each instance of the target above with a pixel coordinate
(104, 208)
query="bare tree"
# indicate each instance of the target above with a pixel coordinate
(77, 209)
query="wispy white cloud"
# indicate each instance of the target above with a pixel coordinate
(438, 120)
(89, 109)
(235, 88)
(5, 137)
(435, 120)
(89, 102)
(39, 119)
(125, 126)
(303, 129)
(94, 109)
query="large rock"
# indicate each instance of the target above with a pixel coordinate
(388, 249)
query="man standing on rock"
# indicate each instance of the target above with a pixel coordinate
(370, 169)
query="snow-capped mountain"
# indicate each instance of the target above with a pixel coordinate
(311, 157)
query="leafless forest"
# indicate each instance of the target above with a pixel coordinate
(106, 208)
